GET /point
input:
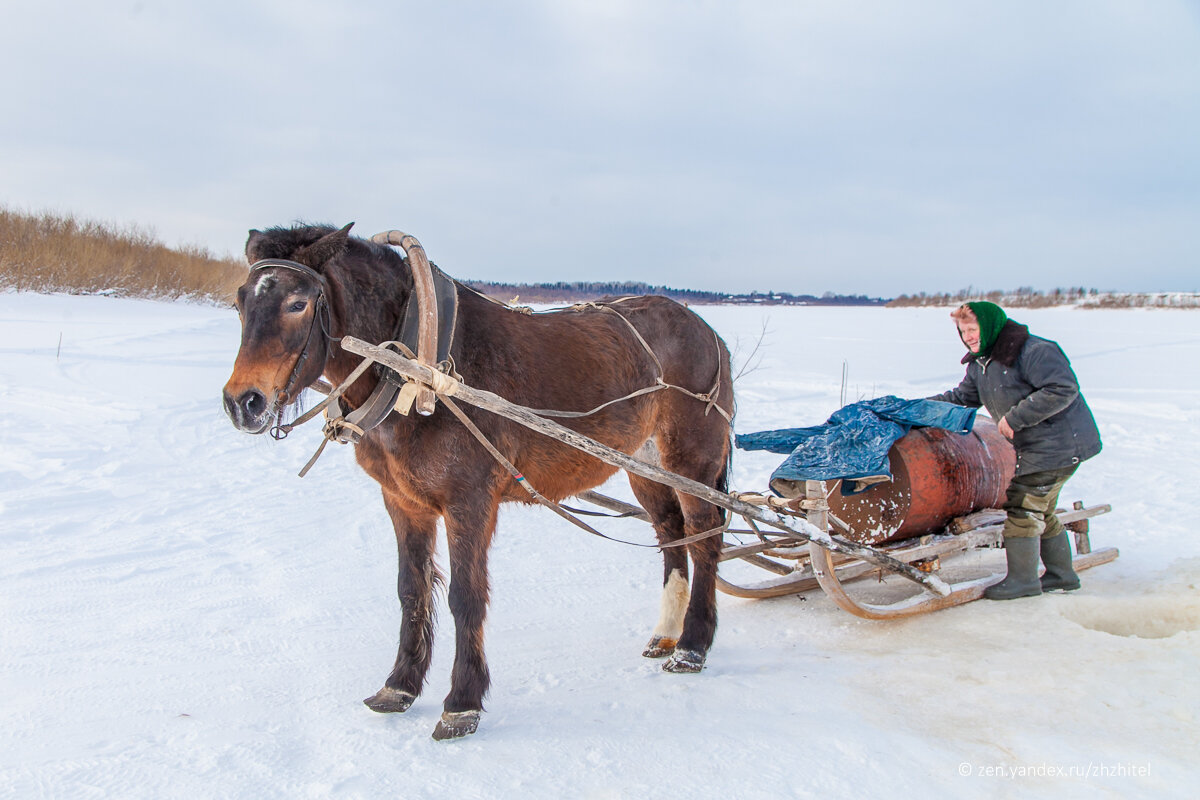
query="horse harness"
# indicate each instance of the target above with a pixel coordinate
(394, 393)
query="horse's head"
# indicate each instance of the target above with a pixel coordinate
(284, 308)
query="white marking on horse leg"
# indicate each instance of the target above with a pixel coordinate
(673, 608)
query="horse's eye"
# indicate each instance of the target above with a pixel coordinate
(298, 306)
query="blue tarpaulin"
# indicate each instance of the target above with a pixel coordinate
(854, 443)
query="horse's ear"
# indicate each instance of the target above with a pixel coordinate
(327, 247)
(252, 245)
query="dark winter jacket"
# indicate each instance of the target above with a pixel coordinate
(1029, 381)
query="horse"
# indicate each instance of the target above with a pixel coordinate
(311, 285)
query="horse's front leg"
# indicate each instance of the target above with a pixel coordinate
(416, 533)
(469, 529)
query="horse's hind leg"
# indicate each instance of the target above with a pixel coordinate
(700, 622)
(662, 504)
(415, 537)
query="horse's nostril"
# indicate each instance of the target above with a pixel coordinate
(253, 403)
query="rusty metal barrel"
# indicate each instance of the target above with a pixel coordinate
(937, 475)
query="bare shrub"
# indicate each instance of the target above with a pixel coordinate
(1189, 300)
(1026, 297)
(55, 253)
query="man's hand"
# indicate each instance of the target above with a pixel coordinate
(1005, 429)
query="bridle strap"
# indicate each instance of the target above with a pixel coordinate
(320, 317)
(322, 291)
(296, 266)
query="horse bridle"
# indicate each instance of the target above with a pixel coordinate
(320, 317)
(341, 426)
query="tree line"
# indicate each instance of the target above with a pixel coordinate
(583, 291)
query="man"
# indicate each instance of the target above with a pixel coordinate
(1027, 385)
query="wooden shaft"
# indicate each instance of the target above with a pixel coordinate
(741, 551)
(613, 504)
(523, 416)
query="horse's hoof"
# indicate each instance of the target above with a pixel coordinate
(390, 701)
(684, 662)
(659, 647)
(456, 724)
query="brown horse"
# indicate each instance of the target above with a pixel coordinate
(431, 466)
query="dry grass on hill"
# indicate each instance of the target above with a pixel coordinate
(55, 253)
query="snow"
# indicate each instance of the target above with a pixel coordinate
(182, 616)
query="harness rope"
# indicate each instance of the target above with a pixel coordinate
(444, 382)
(709, 398)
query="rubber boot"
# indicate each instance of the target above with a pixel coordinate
(1022, 580)
(1056, 555)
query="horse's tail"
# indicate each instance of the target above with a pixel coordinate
(725, 381)
(722, 482)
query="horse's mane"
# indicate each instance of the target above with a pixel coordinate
(288, 242)
(281, 242)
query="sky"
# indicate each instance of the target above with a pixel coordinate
(808, 147)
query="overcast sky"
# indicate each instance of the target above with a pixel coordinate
(795, 145)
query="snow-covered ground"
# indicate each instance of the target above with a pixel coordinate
(182, 616)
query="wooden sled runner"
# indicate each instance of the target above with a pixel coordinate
(807, 546)
(801, 566)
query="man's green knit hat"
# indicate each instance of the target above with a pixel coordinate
(991, 319)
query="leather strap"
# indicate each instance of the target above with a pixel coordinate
(446, 298)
